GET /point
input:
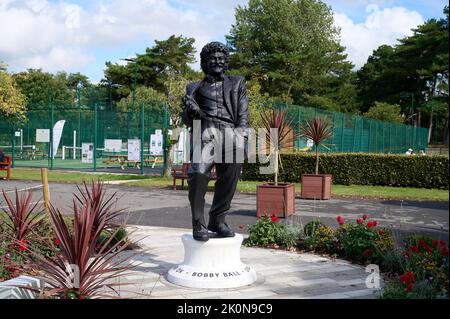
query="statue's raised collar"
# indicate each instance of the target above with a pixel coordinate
(212, 79)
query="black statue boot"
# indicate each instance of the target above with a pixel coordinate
(198, 185)
(199, 232)
(217, 224)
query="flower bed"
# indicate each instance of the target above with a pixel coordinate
(76, 257)
(418, 269)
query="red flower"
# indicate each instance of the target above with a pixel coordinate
(372, 223)
(444, 251)
(56, 241)
(365, 216)
(435, 243)
(367, 253)
(81, 297)
(274, 218)
(415, 249)
(405, 253)
(409, 287)
(340, 220)
(359, 220)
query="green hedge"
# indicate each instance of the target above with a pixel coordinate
(362, 169)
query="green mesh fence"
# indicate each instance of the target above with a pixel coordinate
(83, 125)
(353, 133)
(95, 122)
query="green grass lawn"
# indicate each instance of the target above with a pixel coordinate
(34, 174)
(351, 191)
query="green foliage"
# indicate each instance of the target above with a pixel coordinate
(12, 101)
(424, 270)
(363, 169)
(363, 241)
(42, 88)
(165, 58)
(292, 47)
(264, 232)
(152, 99)
(385, 112)
(318, 237)
(412, 73)
(288, 237)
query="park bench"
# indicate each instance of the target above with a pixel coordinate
(182, 173)
(6, 166)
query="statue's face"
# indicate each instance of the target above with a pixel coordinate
(216, 63)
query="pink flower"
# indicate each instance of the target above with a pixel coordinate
(340, 220)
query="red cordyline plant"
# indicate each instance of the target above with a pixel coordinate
(318, 131)
(279, 133)
(81, 269)
(102, 206)
(21, 215)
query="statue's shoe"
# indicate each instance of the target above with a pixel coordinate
(200, 233)
(221, 229)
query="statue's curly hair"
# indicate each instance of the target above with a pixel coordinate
(210, 48)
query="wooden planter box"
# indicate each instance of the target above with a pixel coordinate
(279, 200)
(316, 186)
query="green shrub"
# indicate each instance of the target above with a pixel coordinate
(363, 169)
(264, 232)
(310, 227)
(318, 237)
(288, 237)
(363, 241)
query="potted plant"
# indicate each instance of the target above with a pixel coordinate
(316, 186)
(276, 198)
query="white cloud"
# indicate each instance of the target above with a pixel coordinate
(61, 35)
(384, 26)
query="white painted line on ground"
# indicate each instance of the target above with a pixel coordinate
(24, 189)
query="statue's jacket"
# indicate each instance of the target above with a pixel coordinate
(234, 101)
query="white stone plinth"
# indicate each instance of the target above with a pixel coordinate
(215, 263)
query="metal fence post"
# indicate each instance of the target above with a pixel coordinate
(142, 138)
(382, 136)
(51, 135)
(342, 131)
(13, 152)
(95, 136)
(165, 126)
(354, 133)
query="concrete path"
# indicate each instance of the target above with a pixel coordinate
(281, 274)
(168, 208)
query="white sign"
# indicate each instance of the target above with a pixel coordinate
(17, 133)
(134, 150)
(87, 153)
(113, 146)
(158, 132)
(309, 143)
(156, 144)
(57, 133)
(42, 135)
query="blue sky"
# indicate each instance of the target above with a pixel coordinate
(81, 35)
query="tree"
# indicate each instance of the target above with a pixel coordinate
(385, 112)
(413, 73)
(12, 101)
(42, 88)
(293, 47)
(171, 56)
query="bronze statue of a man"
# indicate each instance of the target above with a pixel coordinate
(218, 103)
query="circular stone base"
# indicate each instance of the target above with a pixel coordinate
(215, 263)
